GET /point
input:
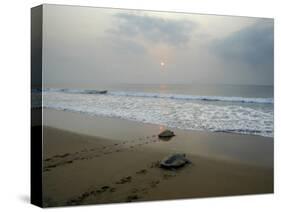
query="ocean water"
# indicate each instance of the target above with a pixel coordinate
(224, 108)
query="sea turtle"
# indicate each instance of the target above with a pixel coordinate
(174, 161)
(166, 134)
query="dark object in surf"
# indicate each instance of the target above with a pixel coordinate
(102, 92)
(94, 92)
(174, 161)
(166, 134)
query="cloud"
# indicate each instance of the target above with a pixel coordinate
(127, 46)
(154, 29)
(252, 45)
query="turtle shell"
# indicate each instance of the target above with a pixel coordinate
(174, 161)
(166, 134)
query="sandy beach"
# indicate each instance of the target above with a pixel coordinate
(106, 83)
(94, 160)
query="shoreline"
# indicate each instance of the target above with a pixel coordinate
(151, 124)
(221, 145)
(91, 160)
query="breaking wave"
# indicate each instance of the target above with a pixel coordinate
(162, 95)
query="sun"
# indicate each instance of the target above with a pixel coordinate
(162, 64)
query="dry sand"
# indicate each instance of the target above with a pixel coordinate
(93, 160)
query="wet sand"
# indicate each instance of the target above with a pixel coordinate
(93, 160)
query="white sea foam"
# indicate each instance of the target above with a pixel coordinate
(255, 119)
(193, 97)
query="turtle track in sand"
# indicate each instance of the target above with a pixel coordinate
(130, 188)
(89, 154)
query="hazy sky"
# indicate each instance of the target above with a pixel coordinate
(84, 45)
